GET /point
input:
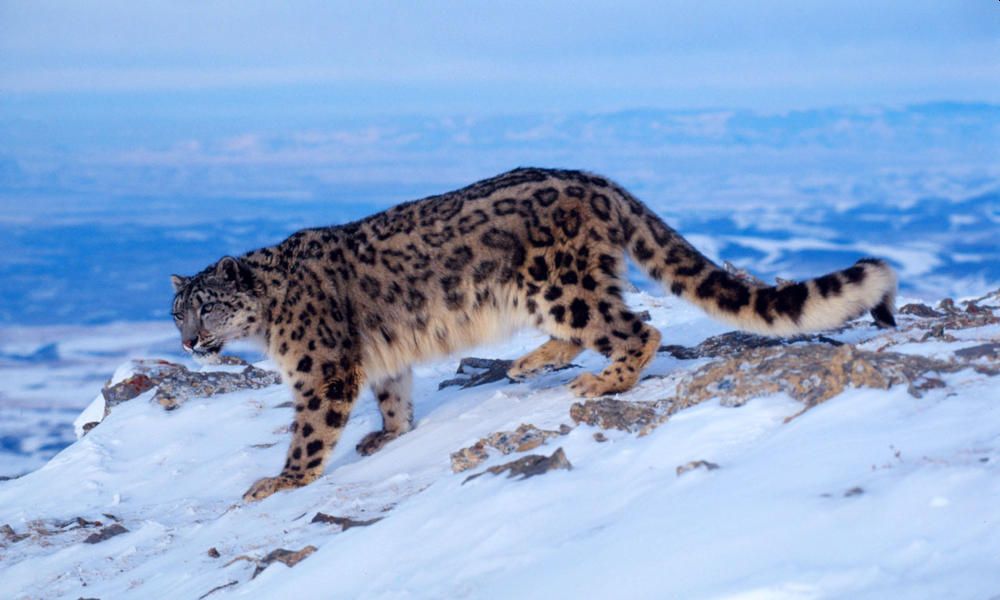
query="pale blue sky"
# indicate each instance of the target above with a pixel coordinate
(488, 57)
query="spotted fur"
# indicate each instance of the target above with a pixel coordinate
(342, 307)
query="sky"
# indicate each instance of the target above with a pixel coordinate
(496, 57)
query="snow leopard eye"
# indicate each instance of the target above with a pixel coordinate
(207, 308)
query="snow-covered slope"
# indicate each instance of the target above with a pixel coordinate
(874, 493)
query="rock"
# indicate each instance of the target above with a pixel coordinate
(289, 558)
(126, 390)
(989, 350)
(10, 536)
(743, 275)
(525, 437)
(217, 588)
(696, 464)
(937, 332)
(608, 413)
(735, 342)
(948, 306)
(919, 310)
(174, 383)
(810, 373)
(600, 437)
(107, 533)
(77, 523)
(972, 314)
(344, 522)
(854, 491)
(528, 466)
(213, 552)
(478, 371)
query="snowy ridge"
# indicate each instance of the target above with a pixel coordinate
(874, 493)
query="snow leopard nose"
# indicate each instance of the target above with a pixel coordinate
(189, 344)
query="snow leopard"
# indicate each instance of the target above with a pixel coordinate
(346, 306)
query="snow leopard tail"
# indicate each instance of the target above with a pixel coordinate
(797, 307)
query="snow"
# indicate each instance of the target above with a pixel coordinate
(92, 414)
(873, 494)
(48, 374)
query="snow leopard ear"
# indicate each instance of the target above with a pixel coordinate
(228, 268)
(178, 281)
(234, 271)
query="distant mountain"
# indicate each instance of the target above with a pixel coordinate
(90, 236)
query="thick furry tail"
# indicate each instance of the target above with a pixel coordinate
(814, 305)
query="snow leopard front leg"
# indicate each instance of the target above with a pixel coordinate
(326, 388)
(395, 402)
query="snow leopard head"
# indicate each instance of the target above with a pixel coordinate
(221, 303)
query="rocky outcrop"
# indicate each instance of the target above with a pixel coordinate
(345, 523)
(737, 342)
(175, 384)
(289, 558)
(608, 413)
(47, 530)
(105, 533)
(524, 438)
(474, 371)
(811, 374)
(696, 464)
(528, 466)
(811, 369)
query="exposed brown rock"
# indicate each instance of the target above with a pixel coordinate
(696, 464)
(77, 523)
(919, 310)
(289, 558)
(815, 372)
(525, 437)
(175, 383)
(972, 313)
(608, 413)
(989, 350)
(213, 552)
(528, 466)
(131, 387)
(10, 536)
(344, 522)
(474, 371)
(744, 275)
(809, 373)
(217, 588)
(735, 342)
(105, 534)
